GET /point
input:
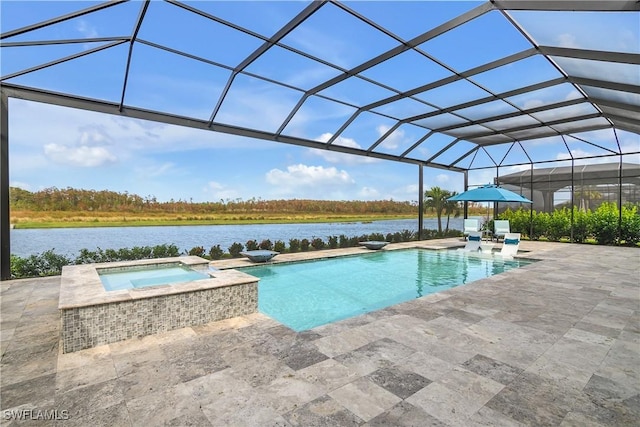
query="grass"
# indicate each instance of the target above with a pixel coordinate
(24, 220)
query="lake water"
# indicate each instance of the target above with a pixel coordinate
(69, 241)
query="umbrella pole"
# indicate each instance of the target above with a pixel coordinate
(487, 223)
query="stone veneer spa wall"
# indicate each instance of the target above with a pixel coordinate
(92, 316)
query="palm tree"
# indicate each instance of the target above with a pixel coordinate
(451, 207)
(436, 199)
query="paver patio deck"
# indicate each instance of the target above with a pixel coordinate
(553, 343)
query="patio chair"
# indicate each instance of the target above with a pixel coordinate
(510, 245)
(469, 226)
(500, 228)
(473, 242)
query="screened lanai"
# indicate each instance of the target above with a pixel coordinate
(498, 86)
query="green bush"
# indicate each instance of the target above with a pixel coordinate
(630, 232)
(376, 237)
(539, 225)
(164, 251)
(47, 263)
(294, 245)
(343, 241)
(304, 245)
(279, 246)
(519, 221)
(604, 224)
(252, 245)
(333, 242)
(197, 251)
(125, 254)
(317, 243)
(581, 225)
(408, 235)
(266, 245)
(216, 252)
(235, 249)
(558, 225)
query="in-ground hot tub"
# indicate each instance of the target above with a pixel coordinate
(92, 315)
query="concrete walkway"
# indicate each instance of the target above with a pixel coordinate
(553, 343)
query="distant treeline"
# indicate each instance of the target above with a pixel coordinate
(71, 199)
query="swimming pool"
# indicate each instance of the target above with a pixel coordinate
(303, 295)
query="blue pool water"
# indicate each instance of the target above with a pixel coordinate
(303, 295)
(150, 275)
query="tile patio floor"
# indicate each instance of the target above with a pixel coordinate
(553, 343)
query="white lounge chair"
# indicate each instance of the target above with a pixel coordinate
(500, 228)
(469, 226)
(510, 245)
(473, 242)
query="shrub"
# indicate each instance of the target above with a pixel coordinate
(558, 224)
(343, 241)
(197, 251)
(294, 245)
(235, 249)
(630, 232)
(252, 245)
(47, 263)
(408, 235)
(605, 224)
(317, 243)
(304, 245)
(333, 242)
(164, 251)
(581, 225)
(216, 252)
(376, 237)
(279, 246)
(539, 225)
(266, 245)
(519, 220)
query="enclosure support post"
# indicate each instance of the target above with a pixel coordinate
(572, 201)
(420, 202)
(5, 245)
(620, 200)
(531, 208)
(466, 187)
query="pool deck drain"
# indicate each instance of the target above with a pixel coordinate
(553, 343)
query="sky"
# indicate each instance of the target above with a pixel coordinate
(63, 147)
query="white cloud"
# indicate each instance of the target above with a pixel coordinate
(442, 178)
(338, 157)
(81, 156)
(18, 184)
(218, 191)
(533, 103)
(369, 193)
(86, 29)
(394, 140)
(154, 170)
(94, 135)
(407, 192)
(567, 40)
(303, 180)
(125, 135)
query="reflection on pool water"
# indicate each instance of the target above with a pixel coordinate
(115, 279)
(303, 295)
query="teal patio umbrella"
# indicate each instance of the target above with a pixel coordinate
(489, 193)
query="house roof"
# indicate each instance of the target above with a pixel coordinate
(555, 178)
(542, 79)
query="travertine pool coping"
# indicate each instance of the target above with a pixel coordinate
(81, 286)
